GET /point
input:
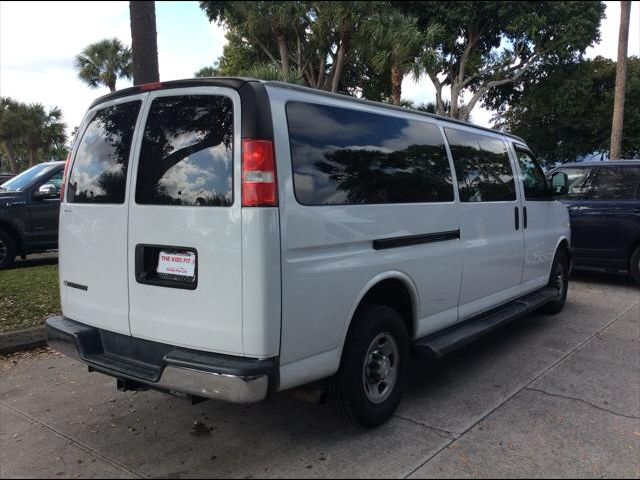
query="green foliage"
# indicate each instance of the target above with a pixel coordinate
(567, 113)
(316, 40)
(103, 63)
(485, 45)
(212, 71)
(30, 134)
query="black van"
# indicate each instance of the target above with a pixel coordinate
(604, 206)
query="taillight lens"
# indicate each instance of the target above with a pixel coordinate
(64, 177)
(259, 187)
(147, 87)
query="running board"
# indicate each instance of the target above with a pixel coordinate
(458, 336)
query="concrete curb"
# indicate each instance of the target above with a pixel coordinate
(19, 340)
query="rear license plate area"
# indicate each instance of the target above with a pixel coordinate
(167, 266)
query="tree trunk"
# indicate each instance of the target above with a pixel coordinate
(621, 74)
(112, 86)
(32, 157)
(396, 84)
(144, 42)
(284, 53)
(11, 157)
(454, 111)
(337, 75)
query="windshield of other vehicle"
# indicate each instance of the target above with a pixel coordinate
(26, 178)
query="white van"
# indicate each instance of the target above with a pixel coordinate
(231, 238)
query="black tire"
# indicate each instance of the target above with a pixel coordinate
(634, 266)
(558, 279)
(7, 250)
(350, 392)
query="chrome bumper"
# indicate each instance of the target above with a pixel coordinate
(200, 379)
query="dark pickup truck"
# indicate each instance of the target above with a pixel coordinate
(604, 206)
(29, 210)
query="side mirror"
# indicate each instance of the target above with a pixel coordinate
(560, 183)
(46, 191)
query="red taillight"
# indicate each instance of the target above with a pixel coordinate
(64, 177)
(259, 188)
(146, 87)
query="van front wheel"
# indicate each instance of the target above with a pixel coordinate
(369, 385)
(558, 280)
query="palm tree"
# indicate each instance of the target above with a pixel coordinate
(397, 46)
(144, 41)
(621, 76)
(12, 128)
(44, 134)
(104, 62)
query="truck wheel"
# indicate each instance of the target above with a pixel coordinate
(559, 280)
(634, 267)
(369, 385)
(7, 250)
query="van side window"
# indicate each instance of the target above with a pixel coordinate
(482, 166)
(614, 183)
(342, 156)
(99, 172)
(533, 179)
(187, 152)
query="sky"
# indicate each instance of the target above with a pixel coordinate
(37, 56)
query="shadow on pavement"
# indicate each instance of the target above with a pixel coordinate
(36, 261)
(603, 278)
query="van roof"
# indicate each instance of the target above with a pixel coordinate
(237, 82)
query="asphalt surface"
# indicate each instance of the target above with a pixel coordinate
(544, 397)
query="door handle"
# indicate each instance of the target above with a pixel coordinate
(517, 213)
(524, 216)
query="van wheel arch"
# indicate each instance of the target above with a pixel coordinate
(394, 293)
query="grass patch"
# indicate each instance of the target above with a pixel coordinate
(28, 296)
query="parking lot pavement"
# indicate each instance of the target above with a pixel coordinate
(546, 396)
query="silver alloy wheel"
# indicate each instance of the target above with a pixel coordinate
(3, 251)
(380, 369)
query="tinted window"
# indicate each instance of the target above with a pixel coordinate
(27, 178)
(99, 171)
(614, 183)
(533, 179)
(578, 181)
(482, 166)
(187, 152)
(343, 156)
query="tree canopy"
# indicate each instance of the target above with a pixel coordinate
(566, 114)
(30, 134)
(471, 48)
(103, 63)
(488, 44)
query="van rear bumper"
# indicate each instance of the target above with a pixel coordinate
(164, 367)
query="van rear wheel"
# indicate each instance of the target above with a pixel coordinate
(369, 385)
(7, 250)
(558, 280)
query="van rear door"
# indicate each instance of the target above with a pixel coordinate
(93, 218)
(184, 252)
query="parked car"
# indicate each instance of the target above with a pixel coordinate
(5, 176)
(230, 238)
(604, 207)
(29, 210)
